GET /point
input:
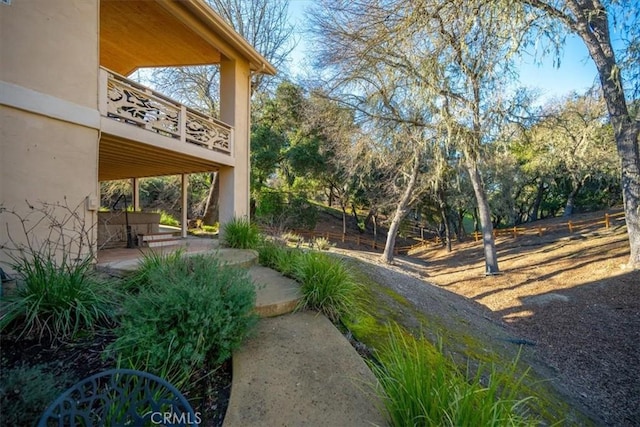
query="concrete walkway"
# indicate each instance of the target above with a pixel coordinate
(298, 370)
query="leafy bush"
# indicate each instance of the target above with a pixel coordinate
(303, 214)
(168, 219)
(56, 298)
(422, 387)
(269, 205)
(25, 392)
(239, 233)
(327, 285)
(197, 311)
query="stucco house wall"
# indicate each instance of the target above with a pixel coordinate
(49, 95)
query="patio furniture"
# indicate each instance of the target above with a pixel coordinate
(120, 397)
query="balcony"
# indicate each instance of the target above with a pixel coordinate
(128, 102)
(145, 133)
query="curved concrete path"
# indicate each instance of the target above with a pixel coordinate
(298, 370)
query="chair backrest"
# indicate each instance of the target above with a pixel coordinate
(120, 397)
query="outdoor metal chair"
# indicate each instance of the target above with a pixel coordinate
(120, 397)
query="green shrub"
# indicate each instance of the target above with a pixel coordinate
(327, 285)
(195, 312)
(287, 259)
(303, 214)
(239, 233)
(25, 392)
(422, 387)
(268, 253)
(56, 298)
(270, 206)
(152, 262)
(168, 219)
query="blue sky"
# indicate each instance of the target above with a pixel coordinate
(575, 73)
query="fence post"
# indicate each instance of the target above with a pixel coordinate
(570, 227)
(358, 241)
(515, 232)
(607, 222)
(539, 231)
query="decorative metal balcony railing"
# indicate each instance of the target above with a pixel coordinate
(132, 103)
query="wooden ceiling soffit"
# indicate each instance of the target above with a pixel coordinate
(119, 159)
(136, 34)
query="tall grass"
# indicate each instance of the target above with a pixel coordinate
(152, 264)
(327, 285)
(56, 298)
(239, 233)
(423, 388)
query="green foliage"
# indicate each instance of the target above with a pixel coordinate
(423, 388)
(193, 311)
(270, 206)
(275, 255)
(153, 263)
(322, 244)
(304, 215)
(25, 392)
(268, 253)
(211, 228)
(327, 285)
(56, 298)
(287, 260)
(239, 233)
(168, 219)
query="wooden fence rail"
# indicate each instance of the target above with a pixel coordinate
(511, 232)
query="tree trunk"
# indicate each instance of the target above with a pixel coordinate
(344, 217)
(447, 229)
(461, 233)
(593, 27)
(568, 208)
(355, 216)
(445, 220)
(484, 213)
(211, 211)
(401, 211)
(538, 201)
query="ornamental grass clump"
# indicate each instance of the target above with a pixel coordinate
(423, 388)
(239, 233)
(56, 298)
(197, 312)
(154, 264)
(327, 285)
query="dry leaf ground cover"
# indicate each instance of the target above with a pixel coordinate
(568, 294)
